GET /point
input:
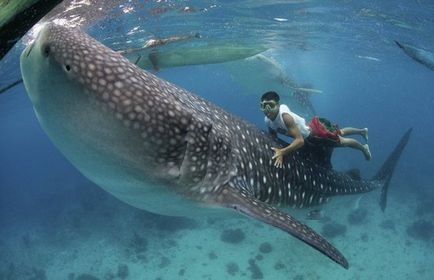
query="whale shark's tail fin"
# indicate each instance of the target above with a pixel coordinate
(384, 175)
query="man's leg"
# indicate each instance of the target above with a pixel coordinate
(348, 142)
(352, 131)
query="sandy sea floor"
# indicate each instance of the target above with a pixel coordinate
(102, 238)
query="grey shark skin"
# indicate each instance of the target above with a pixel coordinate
(160, 148)
(422, 56)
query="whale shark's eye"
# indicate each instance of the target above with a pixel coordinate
(46, 50)
(67, 67)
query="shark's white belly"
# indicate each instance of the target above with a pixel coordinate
(106, 151)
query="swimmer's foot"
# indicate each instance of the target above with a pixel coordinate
(367, 152)
(365, 134)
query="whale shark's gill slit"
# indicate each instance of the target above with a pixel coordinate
(240, 201)
(194, 164)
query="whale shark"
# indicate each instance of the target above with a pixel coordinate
(261, 73)
(422, 56)
(163, 149)
(242, 62)
(209, 53)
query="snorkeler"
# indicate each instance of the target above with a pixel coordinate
(280, 119)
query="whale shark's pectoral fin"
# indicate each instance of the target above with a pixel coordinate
(241, 201)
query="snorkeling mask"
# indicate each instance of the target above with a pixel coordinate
(268, 106)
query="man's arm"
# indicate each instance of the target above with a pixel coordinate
(294, 132)
(296, 143)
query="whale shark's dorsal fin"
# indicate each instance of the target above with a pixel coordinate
(230, 196)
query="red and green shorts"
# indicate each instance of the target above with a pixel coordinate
(323, 128)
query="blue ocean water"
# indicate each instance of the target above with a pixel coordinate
(56, 224)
